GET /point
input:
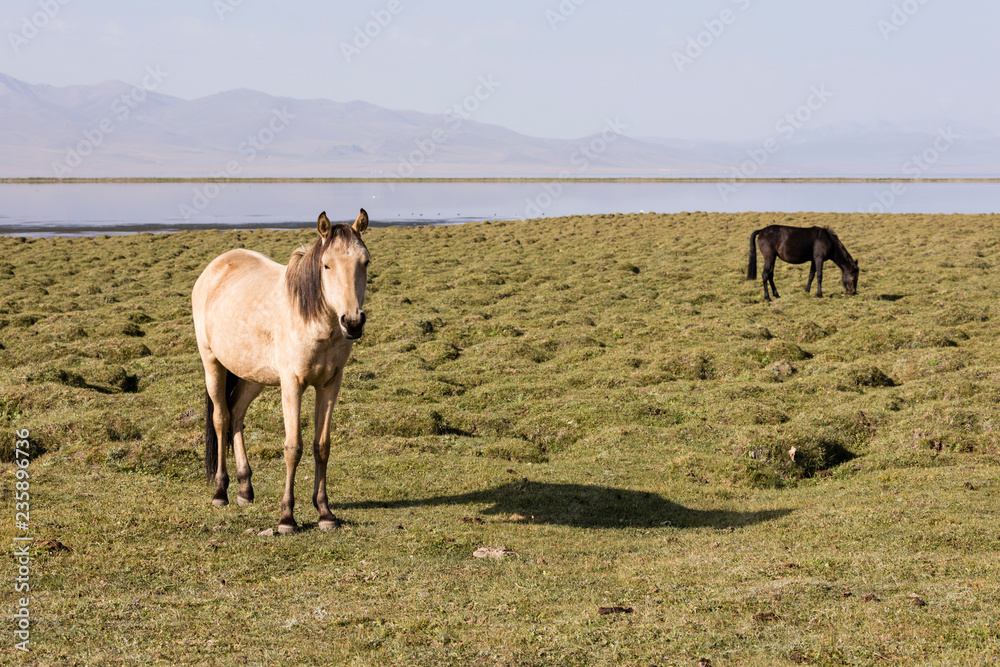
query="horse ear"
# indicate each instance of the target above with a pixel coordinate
(361, 224)
(323, 226)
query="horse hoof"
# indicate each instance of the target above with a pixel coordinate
(286, 529)
(220, 502)
(326, 524)
(243, 502)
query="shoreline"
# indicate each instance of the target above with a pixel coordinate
(92, 231)
(74, 231)
(39, 180)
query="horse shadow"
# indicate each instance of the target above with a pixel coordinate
(581, 506)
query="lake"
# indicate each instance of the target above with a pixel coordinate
(75, 209)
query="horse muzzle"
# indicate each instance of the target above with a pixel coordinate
(353, 329)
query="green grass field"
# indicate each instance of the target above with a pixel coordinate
(606, 398)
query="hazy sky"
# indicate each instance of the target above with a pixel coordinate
(717, 69)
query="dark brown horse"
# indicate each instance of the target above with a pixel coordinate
(797, 245)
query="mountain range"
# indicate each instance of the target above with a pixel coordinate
(113, 129)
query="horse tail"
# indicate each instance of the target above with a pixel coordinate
(752, 265)
(211, 437)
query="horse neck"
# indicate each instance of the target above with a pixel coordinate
(303, 289)
(840, 256)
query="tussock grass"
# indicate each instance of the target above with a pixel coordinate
(604, 396)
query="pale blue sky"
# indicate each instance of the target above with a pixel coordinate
(556, 78)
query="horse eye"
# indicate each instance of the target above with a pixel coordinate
(326, 267)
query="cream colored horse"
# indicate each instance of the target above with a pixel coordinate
(259, 324)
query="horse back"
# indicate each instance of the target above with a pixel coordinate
(233, 303)
(238, 274)
(796, 245)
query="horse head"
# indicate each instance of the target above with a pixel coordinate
(343, 261)
(849, 276)
(327, 280)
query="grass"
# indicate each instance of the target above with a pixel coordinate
(808, 482)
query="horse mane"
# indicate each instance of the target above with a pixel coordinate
(304, 276)
(839, 245)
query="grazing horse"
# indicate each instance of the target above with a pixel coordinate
(259, 323)
(797, 245)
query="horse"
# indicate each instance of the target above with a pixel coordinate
(260, 323)
(797, 245)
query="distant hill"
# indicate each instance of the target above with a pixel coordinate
(114, 129)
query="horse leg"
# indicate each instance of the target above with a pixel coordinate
(215, 385)
(291, 405)
(812, 274)
(326, 398)
(768, 275)
(243, 396)
(818, 267)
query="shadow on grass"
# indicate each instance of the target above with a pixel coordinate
(583, 506)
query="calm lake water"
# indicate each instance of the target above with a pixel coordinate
(75, 209)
